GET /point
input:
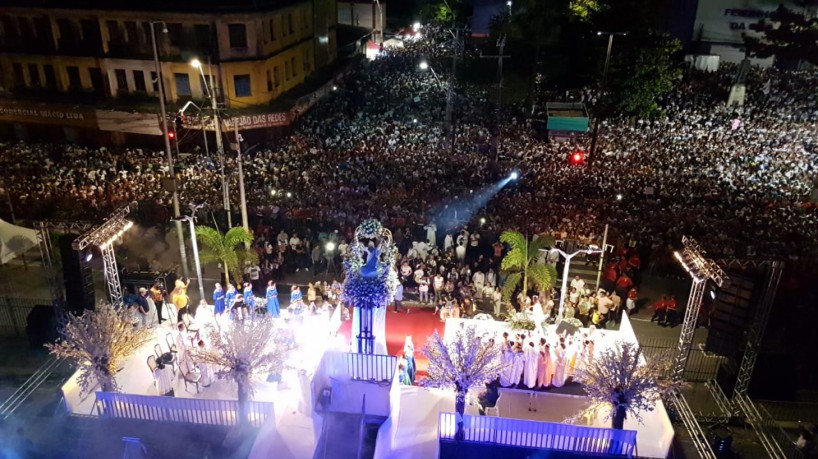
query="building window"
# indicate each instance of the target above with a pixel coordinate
(242, 85)
(121, 80)
(182, 84)
(287, 70)
(139, 81)
(175, 34)
(97, 82)
(202, 32)
(290, 22)
(74, 81)
(26, 31)
(114, 32)
(238, 35)
(154, 82)
(130, 30)
(293, 67)
(10, 28)
(34, 74)
(19, 77)
(269, 81)
(276, 76)
(272, 31)
(204, 82)
(50, 77)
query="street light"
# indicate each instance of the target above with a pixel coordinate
(565, 269)
(196, 63)
(190, 219)
(423, 65)
(602, 85)
(164, 126)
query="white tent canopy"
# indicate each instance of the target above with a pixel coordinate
(15, 241)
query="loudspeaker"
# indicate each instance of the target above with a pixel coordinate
(732, 315)
(41, 326)
(77, 276)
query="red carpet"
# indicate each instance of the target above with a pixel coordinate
(419, 324)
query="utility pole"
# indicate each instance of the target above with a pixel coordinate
(501, 44)
(164, 126)
(244, 222)
(592, 156)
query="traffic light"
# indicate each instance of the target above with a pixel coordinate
(577, 158)
(171, 135)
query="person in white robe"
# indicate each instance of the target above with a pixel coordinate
(537, 314)
(531, 358)
(431, 234)
(448, 242)
(479, 279)
(560, 366)
(460, 250)
(518, 366)
(506, 375)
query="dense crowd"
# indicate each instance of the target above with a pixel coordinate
(737, 178)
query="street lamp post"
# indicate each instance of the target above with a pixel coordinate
(219, 141)
(565, 269)
(191, 219)
(610, 35)
(164, 126)
(242, 196)
(449, 95)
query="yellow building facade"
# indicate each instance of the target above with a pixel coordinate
(252, 55)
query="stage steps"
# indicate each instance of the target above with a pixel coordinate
(343, 434)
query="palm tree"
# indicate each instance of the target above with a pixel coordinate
(520, 263)
(231, 249)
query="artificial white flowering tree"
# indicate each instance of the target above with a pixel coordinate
(620, 379)
(466, 361)
(100, 341)
(243, 350)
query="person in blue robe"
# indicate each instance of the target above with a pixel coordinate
(273, 307)
(218, 299)
(249, 297)
(230, 296)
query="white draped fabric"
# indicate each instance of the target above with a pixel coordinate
(15, 241)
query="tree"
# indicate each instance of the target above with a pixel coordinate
(231, 249)
(245, 349)
(617, 378)
(642, 74)
(788, 35)
(465, 362)
(99, 341)
(520, 263)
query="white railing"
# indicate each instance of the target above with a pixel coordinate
(541, 435)
(172, 409)
(361, 367)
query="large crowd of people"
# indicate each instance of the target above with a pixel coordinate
(739, 179)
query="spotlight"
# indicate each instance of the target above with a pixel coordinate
(471, 191)
(289, 195)
(88, 256)
(712, 294)
(619, 196)
(514, 176)
(335, 88)
(423, 65)
(272, 192)
(330, 246)
(482, 220)
(414, 120)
